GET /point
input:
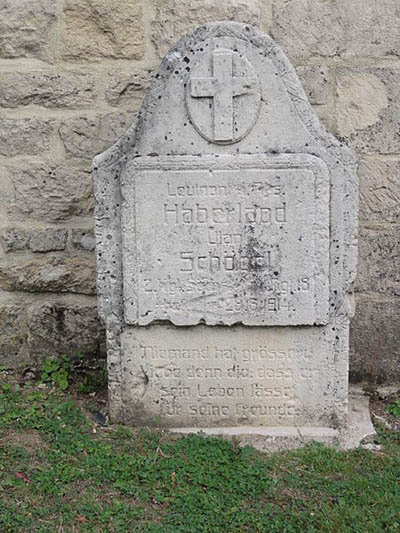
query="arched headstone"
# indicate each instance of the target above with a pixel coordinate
(226, 246)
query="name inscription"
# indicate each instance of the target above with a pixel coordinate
(223, 246)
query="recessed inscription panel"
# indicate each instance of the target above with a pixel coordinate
(205, 376)
(224, 245)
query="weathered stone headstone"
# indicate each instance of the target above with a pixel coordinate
(226, 244)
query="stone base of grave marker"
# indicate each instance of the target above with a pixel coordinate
(234, 376)
(226, 226)
(271, 439)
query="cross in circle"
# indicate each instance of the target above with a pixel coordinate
(222, 87)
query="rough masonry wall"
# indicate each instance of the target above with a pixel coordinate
(72, 77)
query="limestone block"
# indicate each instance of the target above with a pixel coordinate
(15, 239)
(324, 113)
(372, 27)
(379, 261)
(46, 88)
(368, 108)
(316, 80)
(375, 339)
(127, 87)
(24, 136)
(379, 190)
(50, 274)
(360, 99)
(83, 137)
(25, 28)
(83, 239)
(79, 135)
(49, 192)
(48, 240)
(64, 329)
(112, 126)
(176, 17)
(99, 28)
(305, 28)
(348, 28)
(13, 335)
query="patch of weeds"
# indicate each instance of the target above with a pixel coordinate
(394, 409)
(57, 371)
(65, 371)
(386, 436)
(93, 380)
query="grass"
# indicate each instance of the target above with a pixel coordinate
(59, 471)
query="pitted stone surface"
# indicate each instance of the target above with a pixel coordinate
(231, 376)
(223, 78)
(234, 239)
(226, 245)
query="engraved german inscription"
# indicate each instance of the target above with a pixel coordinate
(258, 378)
(226, 245)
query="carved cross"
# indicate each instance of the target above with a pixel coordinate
(222, 87)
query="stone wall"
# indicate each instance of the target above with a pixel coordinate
(72, 77)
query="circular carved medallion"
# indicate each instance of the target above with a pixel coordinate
(223, 96)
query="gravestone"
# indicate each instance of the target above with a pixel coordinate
(226, 248)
